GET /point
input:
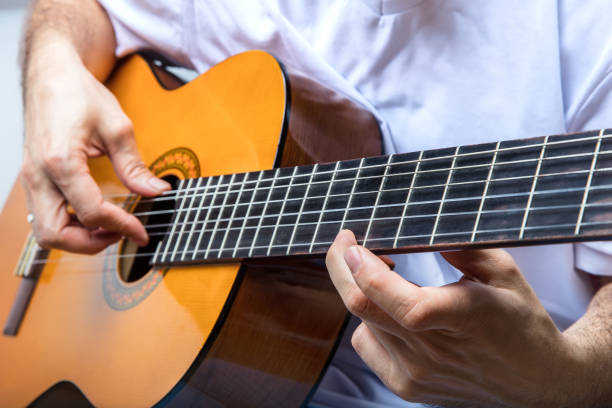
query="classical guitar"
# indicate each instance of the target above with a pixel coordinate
(229, 304)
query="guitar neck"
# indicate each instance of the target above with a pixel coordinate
(539, 190)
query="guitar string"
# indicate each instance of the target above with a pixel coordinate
(376, 166)
(378, 177)
(447, 200)
(452, 184)
(79, 258)
(185, 193)
(422, 215)
(439, 158)
(410, 217)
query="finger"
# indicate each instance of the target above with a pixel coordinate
(412, 307)
(372, 352)
(494, 267)
(389, 291)
(78, 187)
(382, 297)
(53, 226)
(380, 351)
(355, 300)
(414, 375)
(441, 354)
(117, 134)
(394, 318)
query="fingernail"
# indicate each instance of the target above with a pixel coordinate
(352, 256)
(159, 184)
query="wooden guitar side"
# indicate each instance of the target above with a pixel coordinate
(227, 335)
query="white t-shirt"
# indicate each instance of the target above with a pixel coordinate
(437, 73)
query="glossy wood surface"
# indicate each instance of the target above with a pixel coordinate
(286, 317)
(135, 356)
(261, 333)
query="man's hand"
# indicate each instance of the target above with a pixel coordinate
(483, 341)
(69, 117)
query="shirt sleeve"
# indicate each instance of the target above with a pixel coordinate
(586, 65)
(148, 24)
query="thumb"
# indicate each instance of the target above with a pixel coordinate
(495, 267)
(123, 153)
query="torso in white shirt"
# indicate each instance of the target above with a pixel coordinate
(436, 73)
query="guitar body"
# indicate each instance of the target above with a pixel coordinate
(250, 334)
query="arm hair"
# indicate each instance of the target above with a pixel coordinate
(82, 25)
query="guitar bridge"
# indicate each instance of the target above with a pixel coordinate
(30, 266)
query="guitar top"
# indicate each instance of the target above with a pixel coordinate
(229, 304)
(110, 329)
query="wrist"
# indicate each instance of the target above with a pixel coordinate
(50, 54)
(53, 59)
(580, 374)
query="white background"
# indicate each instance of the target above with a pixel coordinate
(12, 14)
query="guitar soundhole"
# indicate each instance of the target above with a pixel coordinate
(136, 261)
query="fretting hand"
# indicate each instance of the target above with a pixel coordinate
(483, 341)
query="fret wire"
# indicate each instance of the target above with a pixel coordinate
(331, 182)
(539, 227)
(185, 216)
(463, 155)
(350, 197)
(450, 175)
(193, 226)
(247, 213)
(156, 253)
(533, 186)
(207, 217)
(422, 187)
(505, 195)
(174, 225)
(263, 212)
(563, 226)
(588, 184)
(452, 214)
(231, 218)
(380, 189)
(484, 194)
(197, 216)
(227, 194)
(450, 234)
(410, 190)
(282, 209)
(314, 169)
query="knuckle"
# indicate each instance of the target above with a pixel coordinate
(135, 168)
(45, 238)
(122, 129)
(358, 304)
(91, 217)
(370, 281)
(415, 317)
(502, 261)
(55, 162)
(507, 263)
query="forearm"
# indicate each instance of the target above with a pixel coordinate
(61, 32)
(593, 335)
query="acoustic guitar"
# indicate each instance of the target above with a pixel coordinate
(230, 303)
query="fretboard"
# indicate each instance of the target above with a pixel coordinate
(539, 190)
